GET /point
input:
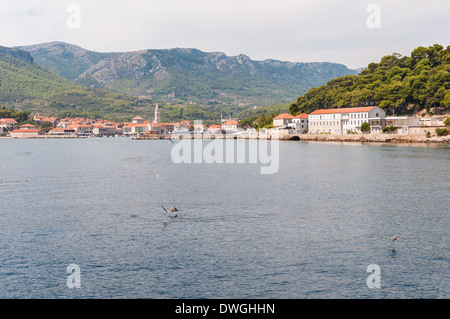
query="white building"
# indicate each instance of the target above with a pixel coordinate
(137, 120)
(282, 120)
(402, 123)
(138, 128)
(8, 123)
(214, 129)
(104, 130)
(340, 121)
(62, 131)
(299, 123)
(230, 126)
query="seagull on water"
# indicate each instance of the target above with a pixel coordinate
(394, 238)
(165, 211)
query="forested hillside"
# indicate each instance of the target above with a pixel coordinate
(398, 84)
(29, 85)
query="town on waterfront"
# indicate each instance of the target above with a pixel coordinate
(370, 122)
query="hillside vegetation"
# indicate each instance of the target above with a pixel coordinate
(398, 84)
(27, 85)
(192, 75)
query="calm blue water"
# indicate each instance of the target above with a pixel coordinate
(309, 231)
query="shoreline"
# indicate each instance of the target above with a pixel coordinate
(340, 138)
(375, 138)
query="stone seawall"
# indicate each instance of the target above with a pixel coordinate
(380, 138)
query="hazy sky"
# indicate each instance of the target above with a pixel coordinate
(289, 30)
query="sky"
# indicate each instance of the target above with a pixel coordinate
(351, 32)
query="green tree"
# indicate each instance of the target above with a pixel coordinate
(441, 131)
(447, 121)
(265, 121)
(46, 125)
(398, 85)
(389, 129)
(365, 127)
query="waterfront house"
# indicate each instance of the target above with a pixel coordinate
(137, 120)
(62, 131)
(39, 120)
(402, 123)
(126, 128)
(168, 127)
(64, 124)
(184, 125)
(8, 123)
(422, 130)
(54, 120)
(282, 120)
(199, 128)
(155, 128)
(230, 126)
(26, 133)
(343, 120)
(101, 130)
(299, 123)
(214, 129)
(138, 128)
(28, 127)
(82, 129)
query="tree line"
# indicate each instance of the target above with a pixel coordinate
(19, 116)
(397, 84)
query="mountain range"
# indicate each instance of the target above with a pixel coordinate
(27, 85)
(186, 75)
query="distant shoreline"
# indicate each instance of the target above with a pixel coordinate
(376, 138)
(347, 138)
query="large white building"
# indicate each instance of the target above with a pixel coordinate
(343, 120)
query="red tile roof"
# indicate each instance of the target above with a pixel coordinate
(344, 110)
(302, 116)
(138, 125)
(26, 131)
(283, 116)
(8, 120)
(231, 122)
(61, 130)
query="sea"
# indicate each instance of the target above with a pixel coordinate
(84, 218)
